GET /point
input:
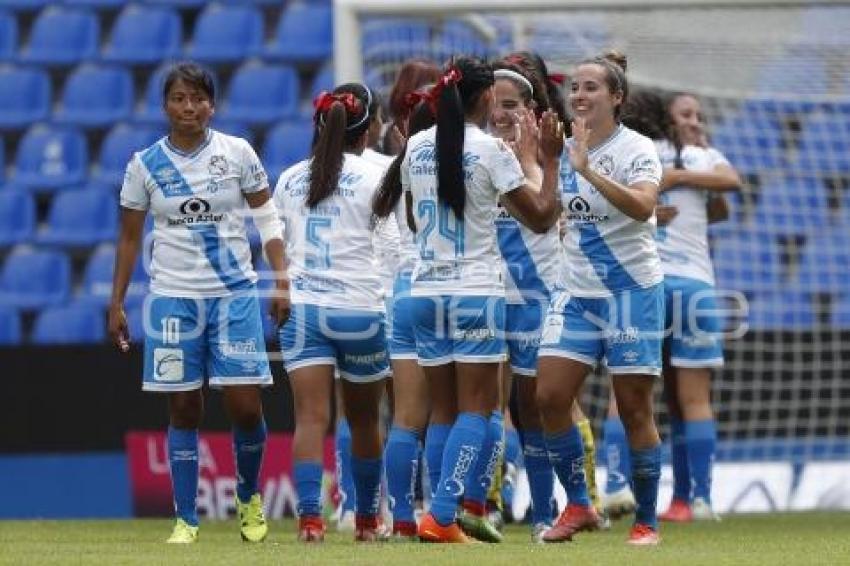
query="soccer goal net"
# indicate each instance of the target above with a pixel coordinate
(774, 81)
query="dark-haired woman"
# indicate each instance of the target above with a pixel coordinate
(613, 307)
(337, 319)
(202, 318)
(456, 174)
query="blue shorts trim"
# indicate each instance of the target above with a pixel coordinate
(353, 341)
(624, 331)
(190, 339)
(694, 324)
(455, 328)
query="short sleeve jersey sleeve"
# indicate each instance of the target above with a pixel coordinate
(644, 164)
(134, 193)
(503, 167)
(253, 176)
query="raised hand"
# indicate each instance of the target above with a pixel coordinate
(577, 150)
(526, 137)
(551, 136)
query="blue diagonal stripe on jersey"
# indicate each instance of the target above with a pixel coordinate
(520, 262)
(163, 171)
(221, 258)
(609, 270)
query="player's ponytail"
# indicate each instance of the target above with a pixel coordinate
(340, 122)
(615, 64)
(456, 94)
(420, 118)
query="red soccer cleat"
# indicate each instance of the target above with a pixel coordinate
(369, 529)
(311, 529)
(678, 512)
(431, 531)
(575, 518)
(404, 530)
(643, 535)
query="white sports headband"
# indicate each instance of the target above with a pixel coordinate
(514, 76)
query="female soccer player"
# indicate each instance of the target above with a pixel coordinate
(692, 172)
(338, 312)
(613, 306)
(412, 76)
(410, 390)
(203, 316)
(456, 175)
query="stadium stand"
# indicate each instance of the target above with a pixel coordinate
(144, 34)
(33, 279)
(10, 327)
(62, 35)
(51, 157)
(226, 33)
(8, 35)
(73, 324)
(17, 217)
(96, 96)
(25, 95)
(261, 94)
(97, 279)
(117, 148)
(304, 33)
(286, 144)
(80, 219)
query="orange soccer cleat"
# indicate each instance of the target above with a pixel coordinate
(311, 529)
(678, 512)
(643, 535)
(431, 531)
(575, 518)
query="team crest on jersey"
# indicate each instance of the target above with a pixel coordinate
(605, 165)
(218, 166)
(166, 175)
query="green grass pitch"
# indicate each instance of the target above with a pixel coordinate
(776, 539)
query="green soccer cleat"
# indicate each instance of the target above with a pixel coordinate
(479, 527)
(183, 533)
(252, 522)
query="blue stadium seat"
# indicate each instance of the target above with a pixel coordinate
(144, 34)
(10, 327)
(35, 279)
(304, 33)
(825, 143)
(96, 96)
(395, 38)
(25, 96)
(459, 37)
(50, 157)
(97, 279)
(80, 219)
(791, 204)
(150, 106)
(8, 35)
(17, 217)
(72, 324)
(841, 312)
(2, 161)
(260, 94)
(785, 310)
(747, 260)
(118, 147)
(802, 74)
(62, 36)
(824, 262)
(324, 80)
(24, 5)
(225, 33)
(178, 3)
(99, 4)
(286, 144)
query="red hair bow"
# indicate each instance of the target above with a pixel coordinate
(325, 100)
(451, 77)
(412, 99)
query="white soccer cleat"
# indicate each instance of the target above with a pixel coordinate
(537, 532)
(702, 511)
(619, 503)
(346, 522)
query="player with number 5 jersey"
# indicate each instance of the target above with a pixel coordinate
(337, 320)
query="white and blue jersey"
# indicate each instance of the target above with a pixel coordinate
(458, 274)
(533, 270)
(402, 341)
(200, 247)
(612, 308)
(606, 250)
(387, 237)
(335, 286)
(692, 311)
(203, 316)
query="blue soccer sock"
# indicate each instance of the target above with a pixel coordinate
(701, 440)
(183, 459)
(248, 446)
(367, 485)
(463, 447)
(646, 471)
(566, 452)
(541, 476)
(480, 478)
(617, 455)
(401, 461)
(513, 447)
(308, 486)
(345, 481)
(435, 446)
(679, 461)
